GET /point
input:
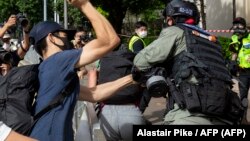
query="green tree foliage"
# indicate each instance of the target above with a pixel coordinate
(74, 15)
(117, 9)
(7, 7)
(32, 8)
(224, 41)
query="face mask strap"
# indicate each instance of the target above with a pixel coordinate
(63, 39)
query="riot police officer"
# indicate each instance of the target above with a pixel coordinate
(240, 48)
(199, 82)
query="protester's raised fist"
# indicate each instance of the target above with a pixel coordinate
(77, 3)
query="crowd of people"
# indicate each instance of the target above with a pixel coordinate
(185, 68)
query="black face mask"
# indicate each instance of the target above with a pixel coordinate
(67, 44)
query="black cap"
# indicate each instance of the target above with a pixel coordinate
(42, 29)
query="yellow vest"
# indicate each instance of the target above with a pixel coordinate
(133, 40)
(244, 53)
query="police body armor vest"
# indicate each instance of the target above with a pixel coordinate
(113, 66)
(17, 90)
(203, 78)
(132, 41)
(244, 53)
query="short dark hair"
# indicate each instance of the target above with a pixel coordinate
(41, 45)
(80, 29)
(140, 24)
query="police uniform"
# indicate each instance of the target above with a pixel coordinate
(171, 43)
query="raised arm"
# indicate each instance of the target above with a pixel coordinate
(25, 44)
(104, 91)
(106, 37)
(11, 22)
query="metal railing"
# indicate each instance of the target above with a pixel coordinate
(89, 126)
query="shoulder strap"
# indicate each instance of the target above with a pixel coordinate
(58, 100)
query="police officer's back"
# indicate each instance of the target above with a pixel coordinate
(197, 76)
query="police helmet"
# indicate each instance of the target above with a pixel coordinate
(179, 8)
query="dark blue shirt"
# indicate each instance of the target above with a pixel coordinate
(54, 75)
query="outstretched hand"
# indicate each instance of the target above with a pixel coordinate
(77, 3)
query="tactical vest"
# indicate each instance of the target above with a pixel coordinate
(244, 53)
(113, 66)
(133, 40)
(202, 78)
(17, 90)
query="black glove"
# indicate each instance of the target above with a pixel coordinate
(233, 67)
(142, 76)
(138, 75)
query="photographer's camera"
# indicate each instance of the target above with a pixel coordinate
(22, 20)
(5, 57)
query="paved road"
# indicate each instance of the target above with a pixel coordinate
(236, 89)
(156, 108)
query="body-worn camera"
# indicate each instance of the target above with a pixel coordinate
(22, 20)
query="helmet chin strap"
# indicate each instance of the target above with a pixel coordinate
(180, 19)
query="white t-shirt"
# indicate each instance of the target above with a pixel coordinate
(4, 131)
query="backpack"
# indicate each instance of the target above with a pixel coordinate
(115, 65)
(210, 93)
(17, 93)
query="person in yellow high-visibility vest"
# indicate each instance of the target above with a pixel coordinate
(136, 42)
(240, 47)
